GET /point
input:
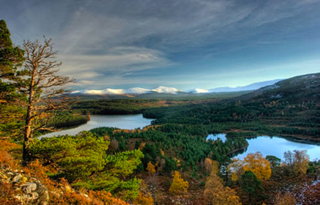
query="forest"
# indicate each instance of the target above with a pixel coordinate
(168, 162)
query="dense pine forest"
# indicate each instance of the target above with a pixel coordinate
(167, 162)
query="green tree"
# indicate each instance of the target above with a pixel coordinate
(82, 159)
(251, 185)
(40, 83)
(274, 161)
(11, 110)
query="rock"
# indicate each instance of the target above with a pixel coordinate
(29, 187)
(28, 190)
(17, 178)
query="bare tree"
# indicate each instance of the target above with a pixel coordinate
(40, 83)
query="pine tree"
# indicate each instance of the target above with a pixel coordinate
(251, 185)
(11, 103)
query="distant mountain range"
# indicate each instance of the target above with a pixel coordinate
(171, 90)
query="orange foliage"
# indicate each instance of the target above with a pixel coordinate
(7, 194)
(103, 197)
(178, 184)
(36, 169)
(286, 199)
(7, 146)
(144, 197)
(151, 168)
(5, 157)
(142, 145)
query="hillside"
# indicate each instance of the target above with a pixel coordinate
(296, 89)
(288, 108)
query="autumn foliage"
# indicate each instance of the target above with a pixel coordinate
(178, 184)
(144, 197)
(252, 162)
(285, 199)
(151, 168)
(258, 165)
(216, 193)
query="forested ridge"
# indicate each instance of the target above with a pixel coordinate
(168, 162)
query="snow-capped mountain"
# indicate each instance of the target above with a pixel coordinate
(171, 90)
(137, 90)
(198, 90)
(163, 89)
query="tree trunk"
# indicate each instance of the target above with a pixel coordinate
(27, 135)
(26, 140)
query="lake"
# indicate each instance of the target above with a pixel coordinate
(274, 146)
(119, 121)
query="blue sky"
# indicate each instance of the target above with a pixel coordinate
(177, 43)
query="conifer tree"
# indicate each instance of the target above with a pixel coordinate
(11, 112)
(251, 185)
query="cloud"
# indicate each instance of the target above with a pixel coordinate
(115, 42)
(119, 61)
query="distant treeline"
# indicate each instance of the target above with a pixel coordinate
(64, 119)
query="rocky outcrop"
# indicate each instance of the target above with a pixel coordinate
(27, 190)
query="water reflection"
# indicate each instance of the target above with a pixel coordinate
(119, 121)
(277, 146)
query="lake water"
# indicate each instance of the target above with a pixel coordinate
(276, 146)
(119, 121)
(215, 137)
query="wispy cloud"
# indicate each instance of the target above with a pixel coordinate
(108, 42)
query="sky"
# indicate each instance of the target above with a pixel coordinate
(184, 44)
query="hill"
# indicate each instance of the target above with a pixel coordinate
(296, 89)
(289, 108)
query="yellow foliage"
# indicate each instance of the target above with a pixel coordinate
(151, 168)
(215, 167)
(144, 199)
(216, 193)
(178, 184)
(301, 162)
(177, 161)
(259, 165)
(162, 152)
(252, 162)
(208, 164)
